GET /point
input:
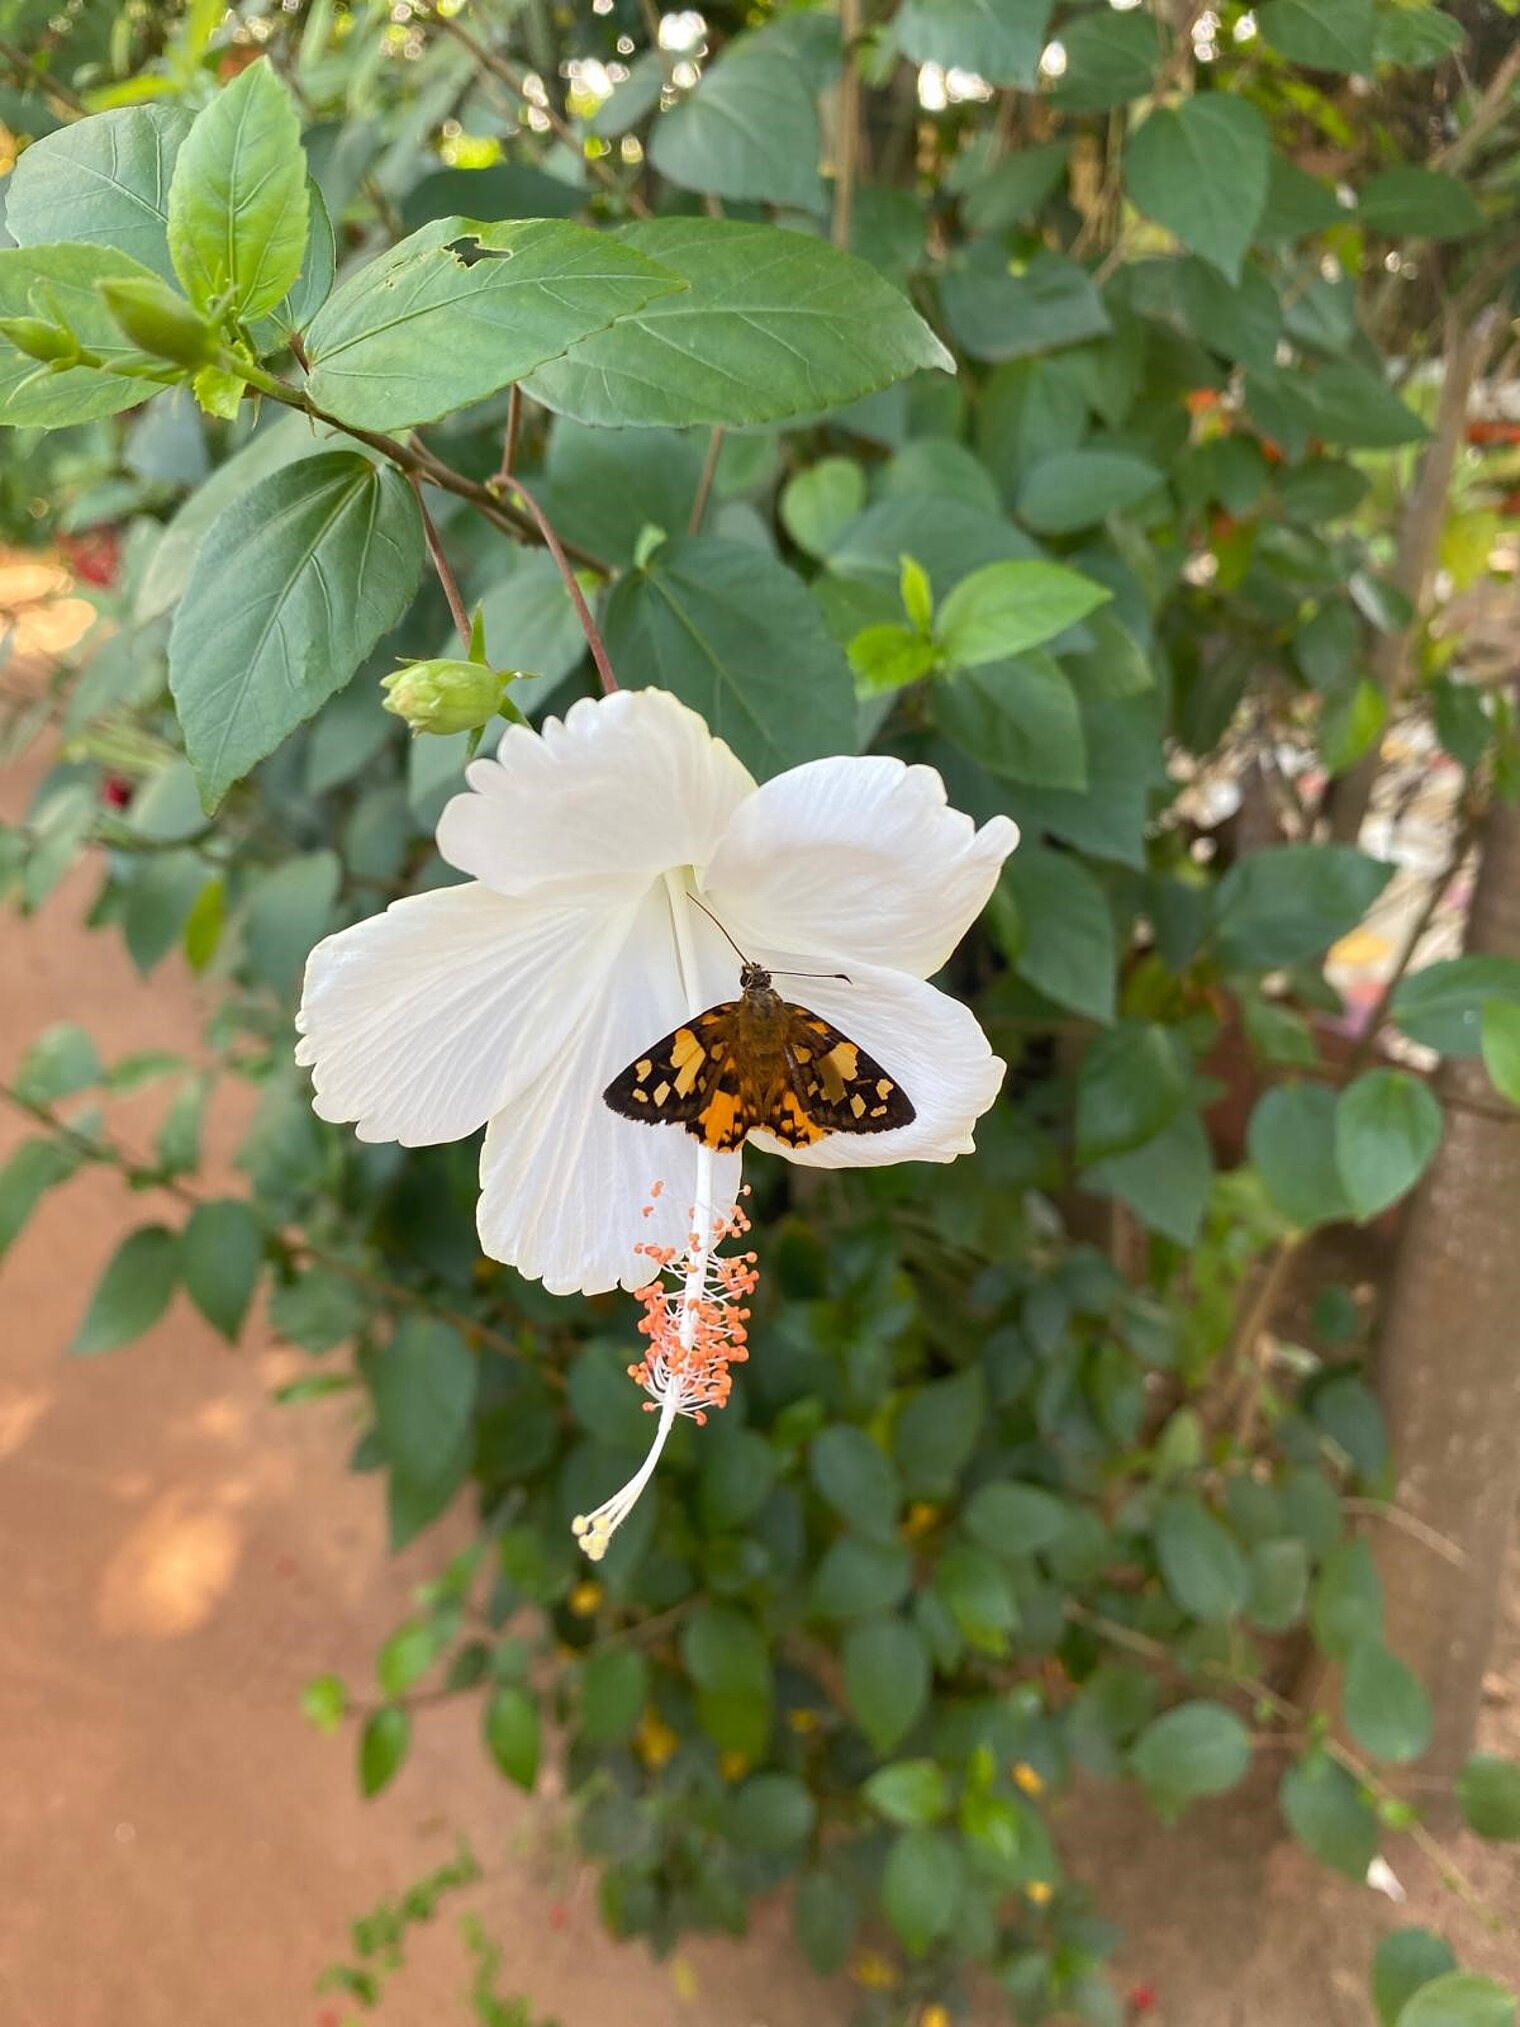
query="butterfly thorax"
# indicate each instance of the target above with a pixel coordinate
(761, 1020)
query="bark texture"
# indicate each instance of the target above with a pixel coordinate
(1449, 1361)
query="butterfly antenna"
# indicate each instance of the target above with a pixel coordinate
(813, 974)
(719, 927)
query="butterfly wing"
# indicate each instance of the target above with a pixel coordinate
(693, 1079)
(833, 1086)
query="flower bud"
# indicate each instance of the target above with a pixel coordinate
(39, 339)
(155, 319)
(443, 696)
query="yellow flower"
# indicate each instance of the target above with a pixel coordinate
(873, 1971)
(733, 1766)
(1026, 1777)
(654, 1741)
(803, 1721)
(585, 1599)
(1040, 1891)
(934, 2016)
(921, 1519)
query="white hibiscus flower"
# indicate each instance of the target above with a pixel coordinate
(512, 1001)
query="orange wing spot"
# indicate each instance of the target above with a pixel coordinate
(884, 1087)
(858, 1106)
(643, 1069)
(661, 1093)
(683, 1046)
(721, 1119)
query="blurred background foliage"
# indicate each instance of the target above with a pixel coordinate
(1064, 1462)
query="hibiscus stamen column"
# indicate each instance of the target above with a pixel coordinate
(695, 1312)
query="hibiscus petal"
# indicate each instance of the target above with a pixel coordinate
(418, 1024)
(620, 791)
(564, 1179)
(860, 856)
(934, 1048)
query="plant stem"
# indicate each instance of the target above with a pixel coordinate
(31, 74)
(555, 548)
(1440, 887)
(441, 563)
(144, 1175)
(847, 125)
(514, 427)
(705, 482)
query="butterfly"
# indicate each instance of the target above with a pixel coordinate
(759, 1061)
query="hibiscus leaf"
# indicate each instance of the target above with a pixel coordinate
(736, 636)
(771, 324)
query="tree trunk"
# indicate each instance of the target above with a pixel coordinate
(1449, 1361)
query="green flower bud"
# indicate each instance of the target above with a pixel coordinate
(41, 340)
(443, 696)
(151, 316)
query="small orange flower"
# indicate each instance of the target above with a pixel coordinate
(654, 1741)
(733, 1766)
(874, 1972)
(1026, 1777)
(1040, 1892)
(585, 1599)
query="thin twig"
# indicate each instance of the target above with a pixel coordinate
(1245, 1347)
(441, 563)
(27, 72)
(1440, 886)
(847, 124)
(1408, 1523)
(583, 611)
(514, 428)
(705, 482)
(1486, 115)
(516, 83)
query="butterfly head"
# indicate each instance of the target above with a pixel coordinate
(753, 977)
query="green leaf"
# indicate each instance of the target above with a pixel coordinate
(856, 1579)
(237, 210)
(61, 1061)
(1242, 322)
(1000, 40)
(133, 1292)
(1131, 1084)
(1201, 171)
(383, 1746)
(1321, 1805)
(1017, 189)
(460, 309)
(221, 1254)
(818, 504)
(857, 1479)
(887, 658)
(1415, 38)
(1501, 1047)
(1279, 1584)
(995, 314)
(1488, 1794)
(511, 1733)
(311, 287)
(1195, 1750)
(1297, 204)
(423, 1382)
(1067, 947)
(1387, 1128)
(104, 180)
(1386, 1709)
(1401, 1964)
(748, 132)
(826, 1917)
(1291, 1140)
(1288, 903)
(324, 1702)
(58, 284)
(921, 1888)
(1079, 488)
(33, 1169)
(1321, 34)
(1460, 1999)
(292, 587)
(936, 1432)
(887, 1679)
(1110, 57)
(736, 636)
(1015, 1520)
(909, 1792)
(771, 324)
(771, 1813)
(614, 1691)
(407, 1656)
(974, 1588)
(1200, 1560)
(1018, 718)
(726, 1656)
(1417, 204)
(319, 1310)
(1004, 609)
(1443, 1006)
(291, 909)
(1165, 1181)
(1347, 1611)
